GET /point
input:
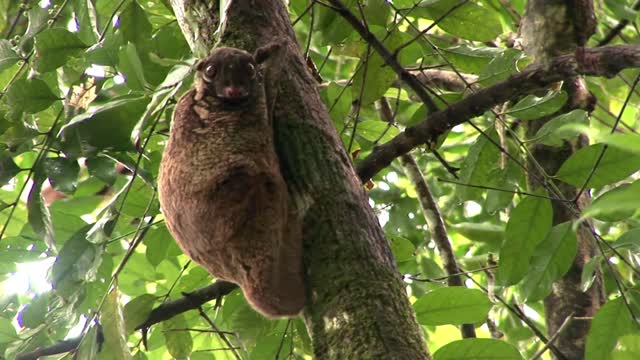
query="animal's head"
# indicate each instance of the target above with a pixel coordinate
(231, 75)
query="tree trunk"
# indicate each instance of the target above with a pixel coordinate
(548, 29)
(357, 307)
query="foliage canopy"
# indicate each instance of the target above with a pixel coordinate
(88, 92)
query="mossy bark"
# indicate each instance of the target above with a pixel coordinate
(357, 306)
(548, 29)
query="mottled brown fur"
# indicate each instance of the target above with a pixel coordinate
(221, 190)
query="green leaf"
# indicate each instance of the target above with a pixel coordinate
(629, 240)
(139, 198)
(54, 47)
(85, 14)
(102, 168)
(113, 326)
(402, 248)
(39, 216)
(179, 342)
(169, 43)
(533, 107)
(452, 305)
(271, 347)
(610, 323)
(551, 260)
(137, 310)
(131, 66)
(588, 275)
(338, 101)
(160, 245)
(469, 21)
(139, 272)
(240, 317)
(67, 215)
(106, 52)
(38, 18)
(478, 167)
(628, 142)
(107, 126)
(504, 64)
(7, 331)
(376, 12)
(30, 96)
(620, 10)
(62, 173)
(616, 204)
(473, 60)
(529, 224)
(76, 263)
(614, 166)
(374, 77)
(374, 130)
(8, 56)
(333, 29)
(8, 168)
(477, 349)
(627, 348)
(89, 347)
(35, 312)
(4, 205)
(130, 164)
(481, 232)
(135, 25)
(564, 127)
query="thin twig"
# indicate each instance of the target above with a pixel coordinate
(282, 339)
(303, 13)
(358, 105)
(522, 316)
(606, 146)
(616, 30)
(444, 278)
(564, 325)
(610, 60)
(384, 53)
(15, 21)
(518, 192)
(431, 213)
(222, 336)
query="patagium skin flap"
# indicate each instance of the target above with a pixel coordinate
(222, 194)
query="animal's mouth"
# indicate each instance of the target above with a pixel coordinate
(235, 102)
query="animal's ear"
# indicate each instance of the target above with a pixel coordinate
(200, 65)
(265, 52)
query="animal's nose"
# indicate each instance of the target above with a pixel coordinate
(234, 92)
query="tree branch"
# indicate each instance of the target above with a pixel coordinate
(190, 301)
(389, 58)
(169, 309)
(605, 61)
(438, 230)
(57, 348)
(431, 214)
(617, 29)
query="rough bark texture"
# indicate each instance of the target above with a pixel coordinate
(357, 307)
(198, 20)
(549, 28)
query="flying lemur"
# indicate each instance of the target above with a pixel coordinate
(221, 190)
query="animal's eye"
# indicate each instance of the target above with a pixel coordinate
(252, 71)
(210, 71)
